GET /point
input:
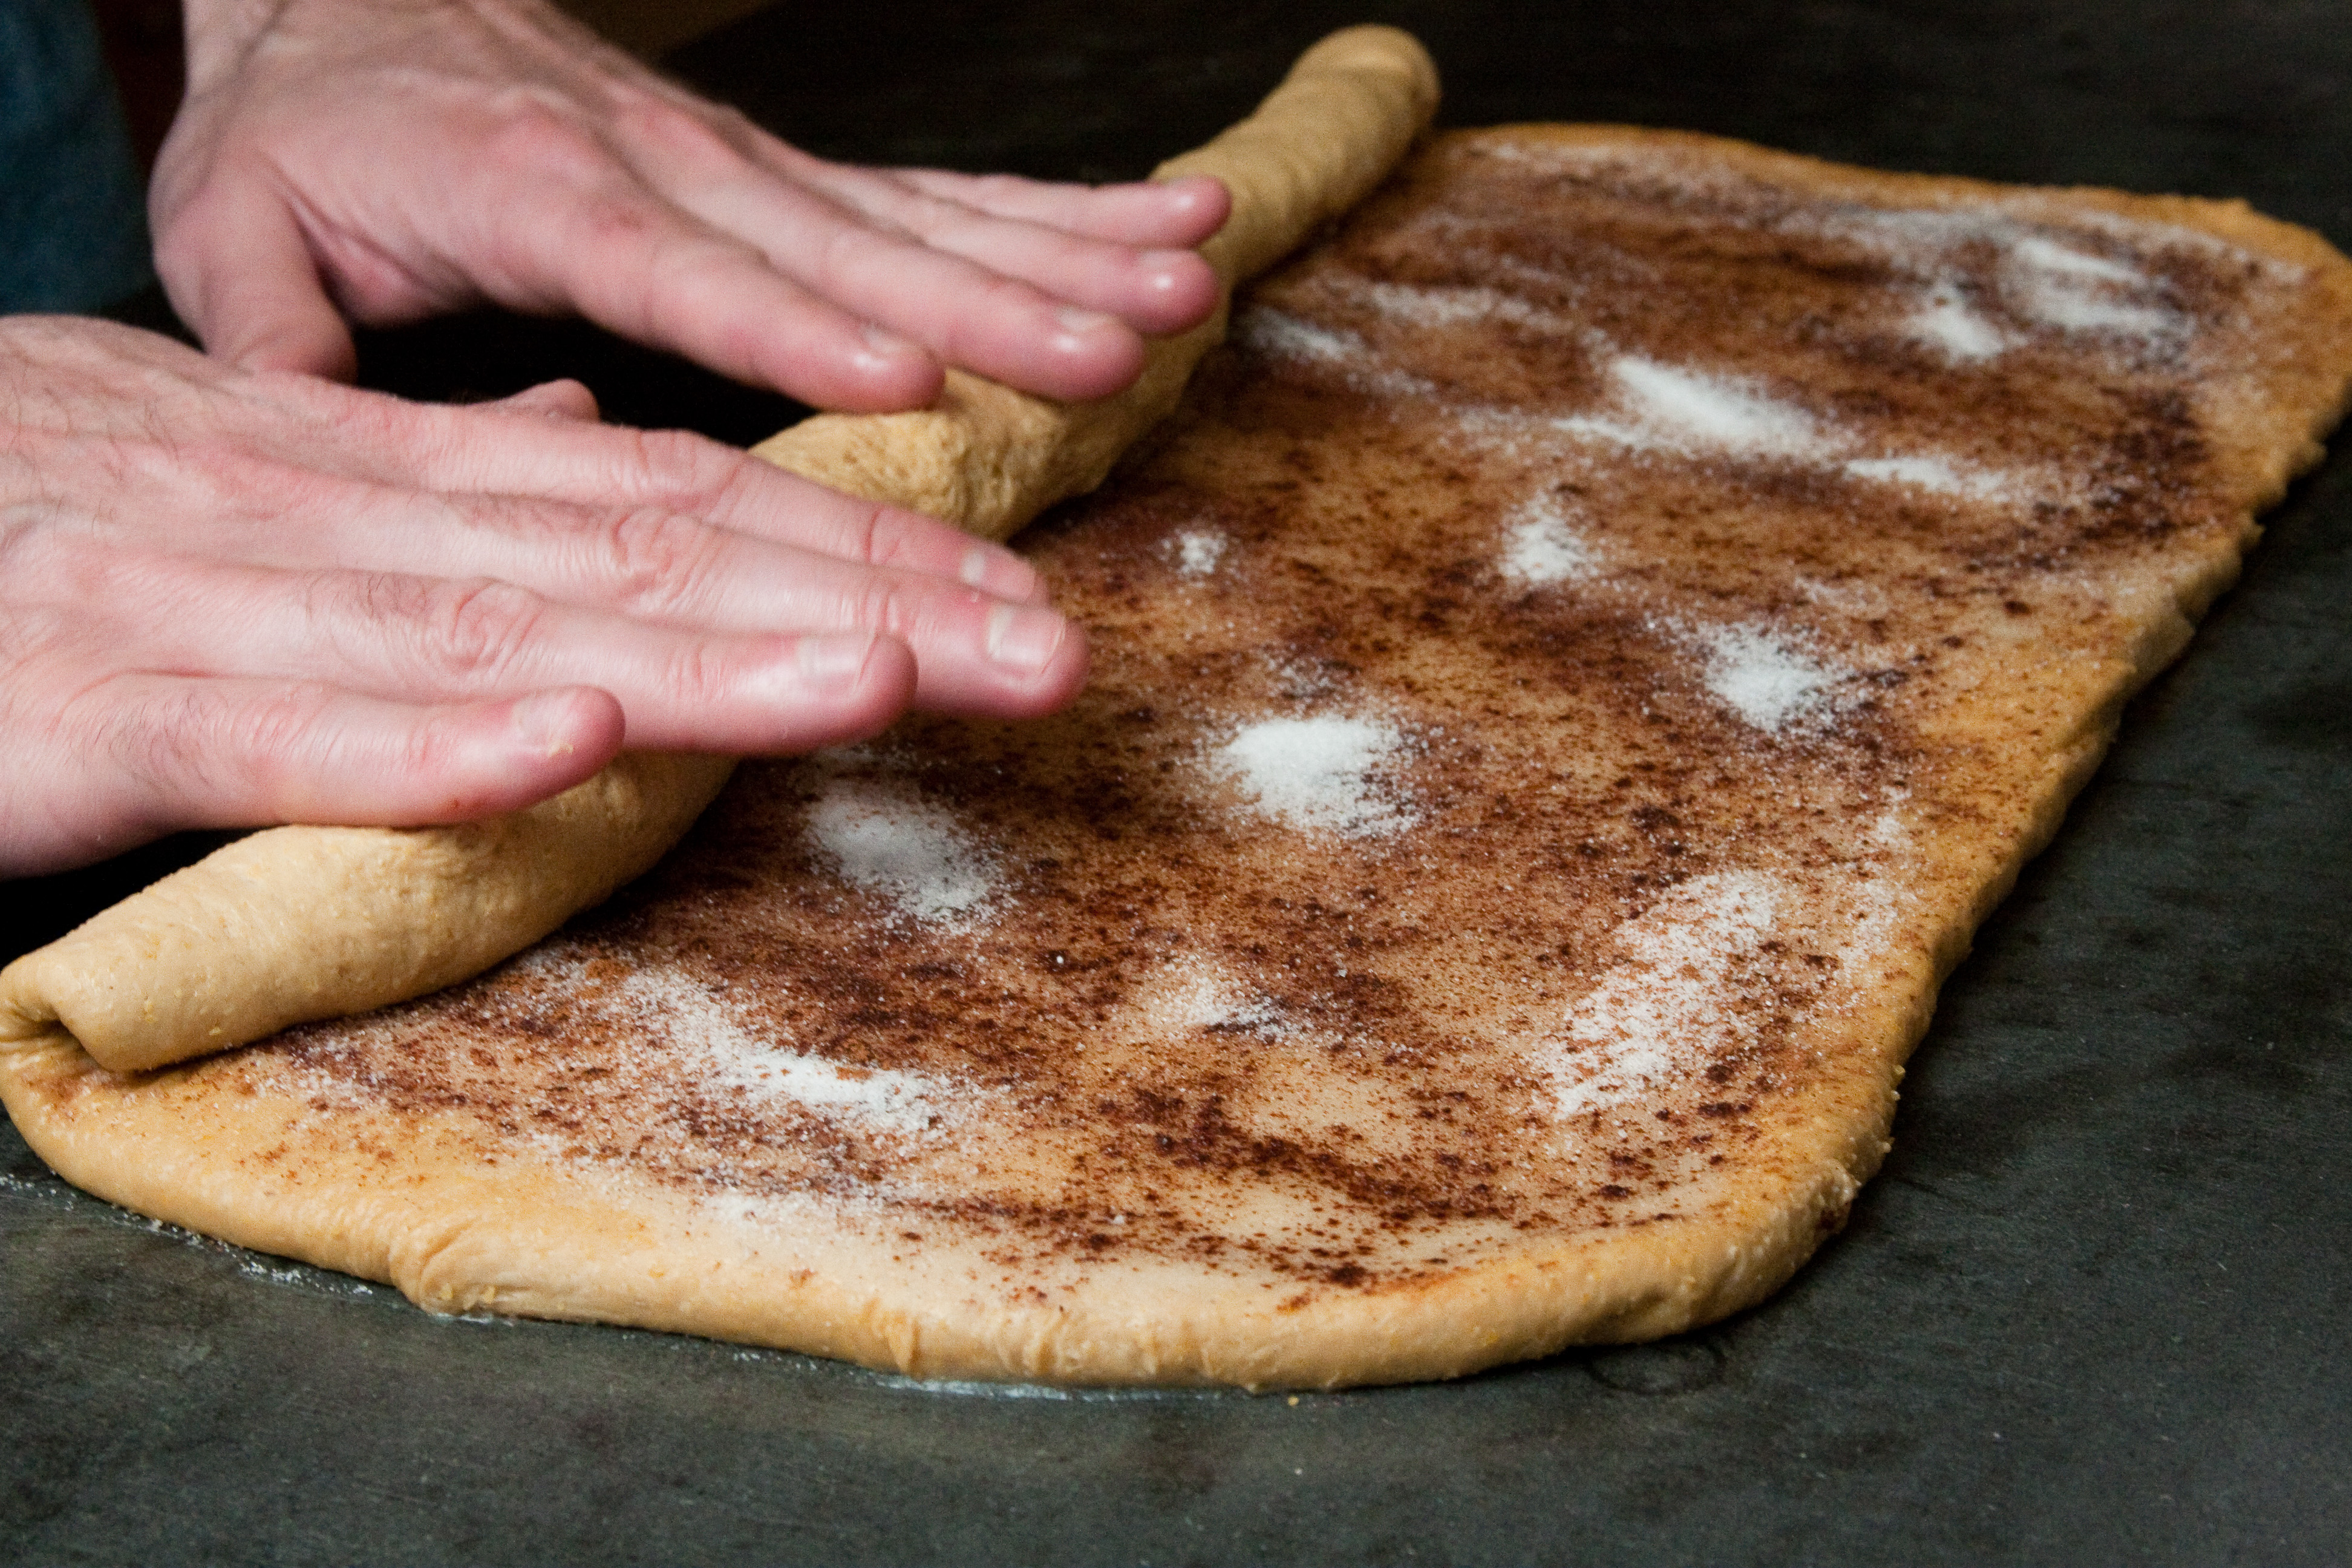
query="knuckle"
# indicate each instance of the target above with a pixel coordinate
(613, 220)
(274, 741)
(887, 604)
(61, 593)
(703, 676)
(236, 473)
(702, 683)
(702, 139)
(30, 552)
(845, 255)
(887, 536)
(479, 628)
(660, 562)
(683, 466)
(185, 748)
(998, 310)
(1010, 295)
(166, 739)
(535, 135)
(370, 419)
(33, 632)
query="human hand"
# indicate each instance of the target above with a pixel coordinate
(385, 159)
(233, 597)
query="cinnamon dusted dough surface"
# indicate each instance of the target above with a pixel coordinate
(1566, 688)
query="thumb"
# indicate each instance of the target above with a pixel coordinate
(240, 271)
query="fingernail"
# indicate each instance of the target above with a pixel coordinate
(1162, 272)
(1024, 638)
(1000, 573)
(1078, 323)
(832, 664)
(543, 722)
(885, 351)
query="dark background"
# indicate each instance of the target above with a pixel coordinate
(2094, 1309)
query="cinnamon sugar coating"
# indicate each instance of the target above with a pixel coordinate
(1565, 684)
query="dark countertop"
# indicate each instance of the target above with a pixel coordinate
(2094, 1308)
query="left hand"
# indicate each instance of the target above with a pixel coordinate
(385, 159)
(231, 597)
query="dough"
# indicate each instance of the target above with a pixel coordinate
(1575, 673)
(298, 923)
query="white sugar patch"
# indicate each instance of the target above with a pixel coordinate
(1554, 156)
(1711, 411)
(1197, 995)
(2047, 281)
(1326, 774)
(1669, 1007)
(1940, 475)
(1197, 553)
(1684, 410)
(1946, 322)
(1281, 335)
(919, 857)
(1855, 597)
(1765, 680)
(2076, 311)
(1303, 680)
(1443, 307)
(2049, 257)
(2076, 292)
(671, 1006)
(1541, 546)
(1917, 240)
(2148, 236)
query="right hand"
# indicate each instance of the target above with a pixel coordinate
(232, 598)
(387, 160)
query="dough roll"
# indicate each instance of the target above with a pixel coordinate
(988, 458)
(294, 924)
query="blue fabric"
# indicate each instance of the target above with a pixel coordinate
(73, 223)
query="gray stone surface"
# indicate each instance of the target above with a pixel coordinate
(2094, 1309)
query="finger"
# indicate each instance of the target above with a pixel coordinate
(1036, 232)
(1157, 292)
(162, 752)
(470, 455)
(644, 269)
(418, 638)
(660, 574)
(709, 639)
(966, 314)
(239, 272)
(1157, 214)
